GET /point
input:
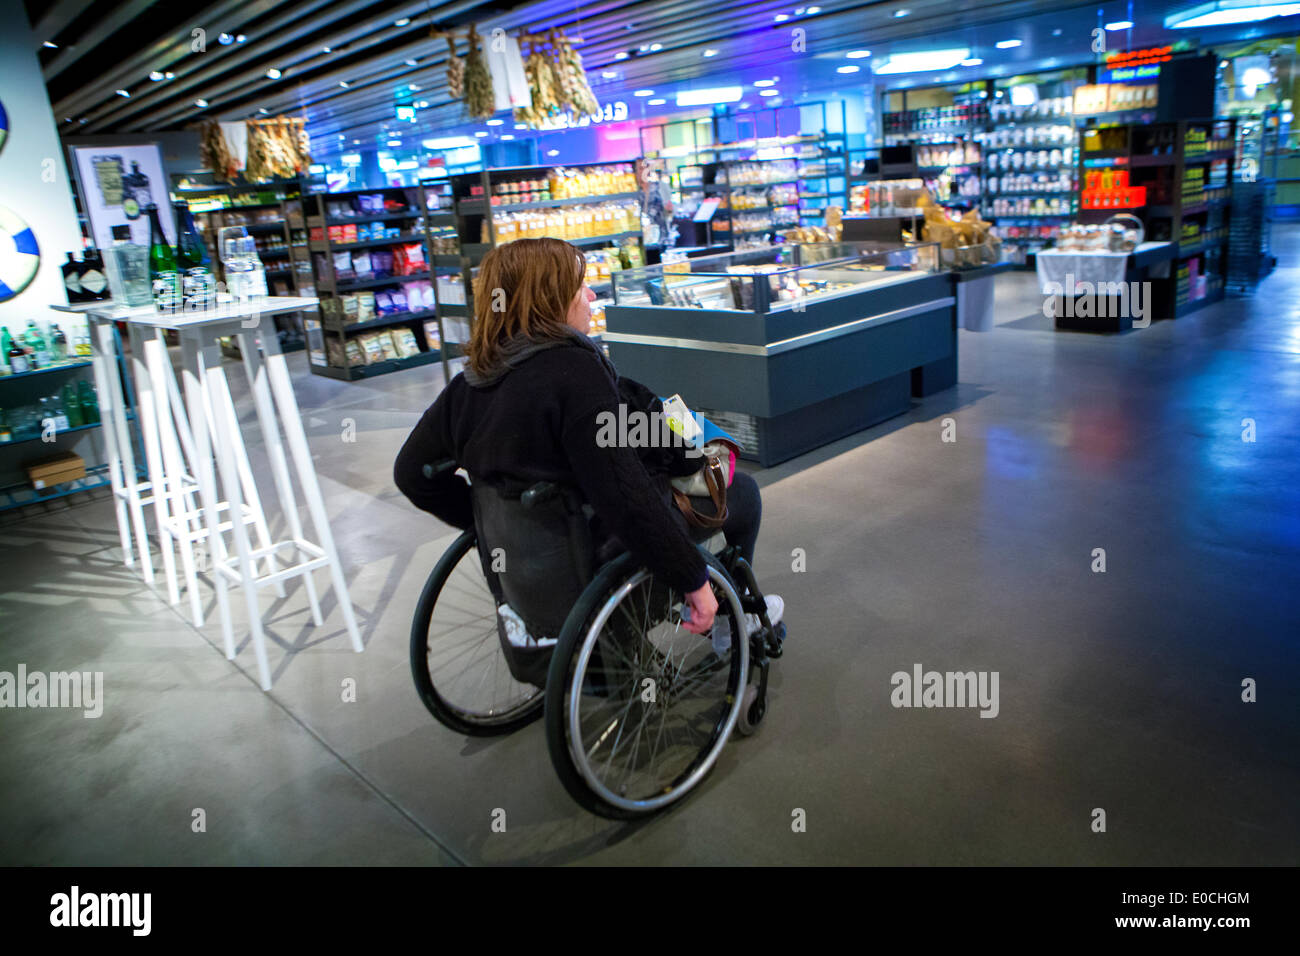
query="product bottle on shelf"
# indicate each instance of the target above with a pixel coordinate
(162, 267)
(6, 343)
(58, 343)
(37, 348)
(197, 286)
(93, 281)
(6, 435)
(128, 270)
(72, 280)
(89, 402)
(72, 406)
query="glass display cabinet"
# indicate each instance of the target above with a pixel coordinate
(793, 346)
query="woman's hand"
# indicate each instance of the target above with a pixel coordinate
(703, 606)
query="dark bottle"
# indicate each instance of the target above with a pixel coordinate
(192, 261)
(162, 267)
(18, 358)
(136, 195)
(88, 401)
(94, 282)
(72, 406)
(72, 280)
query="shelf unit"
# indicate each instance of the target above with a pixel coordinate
(22, 389)
(1188, 194)
(477, 229)
(719, 179)
(406, 210)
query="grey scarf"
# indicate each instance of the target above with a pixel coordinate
(514, 352)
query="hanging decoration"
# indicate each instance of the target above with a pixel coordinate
(455, 70)
(277, 148)
(572, 77)
(480, 99)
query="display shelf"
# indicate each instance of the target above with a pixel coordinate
(454, 308)
(604, 240)
(12, 376)
(20, 495)
(369, 217)
(478, 204)
(394, 318)
(369, 243)
(355, 372)
(352, 285)
(1032, 195)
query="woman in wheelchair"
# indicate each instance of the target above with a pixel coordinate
(547, 506)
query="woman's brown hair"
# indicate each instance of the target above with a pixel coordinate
(523, 288)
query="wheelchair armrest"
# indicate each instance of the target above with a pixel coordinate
(438, 467)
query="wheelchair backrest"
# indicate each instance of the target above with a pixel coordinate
(540, 557)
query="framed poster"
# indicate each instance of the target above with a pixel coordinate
(116, 183)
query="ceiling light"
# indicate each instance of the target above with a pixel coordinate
(168, 75)
(973, 61)
(1007, 44)
(1120, 25)
(710, 52)
(769, 93)
(201, 104)
(610, 74)
(50, 46)
(343, 83)
(644, 48)
(394, 142)
(708, 97)
(923, 61)
(552, 152)
(781, 17)
(1057, 32)
(644, 93)
(225, 39)
(480, 133)
(413, 87)
(1223, 12)
(241, 38)
(857, 54)
(901, 13)
(156, 76)
(656, 102)
(422, 105)
(263, 110)
(355, 142)
(326, 49)
(123, 93)
(704, 119)
(762, 83)
(405, 21)
(412, 62)
(495, 122)
(813, 11)
(621, 55)
(656, 47)
(272, 74)
(507, 135)
(801, 11)
(520, 126)
(850, 68)
(448, 142)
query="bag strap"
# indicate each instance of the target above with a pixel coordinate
(715, 478)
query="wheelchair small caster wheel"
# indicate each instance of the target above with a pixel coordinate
(752, 709)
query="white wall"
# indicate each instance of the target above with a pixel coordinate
(33, 172)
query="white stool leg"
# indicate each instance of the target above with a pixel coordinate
(147, 416)
(108, 413)
(159, 364)
(195, 389)
(256, 372)
(113, 415)
(287, 406)
(226, 443)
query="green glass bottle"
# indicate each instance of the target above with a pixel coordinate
(192, 261)
(88, 401)
(162, 267)
(72, 406)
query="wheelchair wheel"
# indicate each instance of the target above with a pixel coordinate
(637, 707)
(456, 657)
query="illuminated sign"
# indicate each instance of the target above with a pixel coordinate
(1131, 74)
(1121, 59)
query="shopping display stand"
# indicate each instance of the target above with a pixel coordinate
(1067, 270)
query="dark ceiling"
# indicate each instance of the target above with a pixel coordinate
(346, 64)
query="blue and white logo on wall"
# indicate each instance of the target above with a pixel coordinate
(4, 125)
(20, 257)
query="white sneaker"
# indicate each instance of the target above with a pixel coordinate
(517, 632)
(775, 611)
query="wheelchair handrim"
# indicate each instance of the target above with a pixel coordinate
(572, 716)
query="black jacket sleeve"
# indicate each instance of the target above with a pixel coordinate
(445, 495)
(628, 501)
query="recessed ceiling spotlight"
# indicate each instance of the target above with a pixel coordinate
(762, 83)
(422, 105)
(710, 52)
(644, 93)
(552, 152)
(123, 93)
(520, 126)
(1120, 25)
(326, 49)
(273, 74)
(901, 13)
(412, 62)
(480, 133)
(769, 93)
(355, 142)
(225, 39)
(621, 55)
(405, 21)
(813, 11)
(394, 142)
(495, 122)
(201, 104)
(656, 47)
(973, 61)
(849, 68)
(263, 110)
(156, 75)
(240, 38)
(50, 46)
(1007, 44)
(168, 75)
(644, 48)
(781, 17)
(413, 87)
(656, 102)
(507, 135)
(857, 54)
(343, 83)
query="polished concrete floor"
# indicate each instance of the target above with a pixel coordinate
(1119, 691)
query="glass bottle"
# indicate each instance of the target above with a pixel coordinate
(72, 406)
(192, 261)
(6, 435)
(72, 280)
(128, 270)
(17, 356)
(162, 267)
(89, 401)
(93, 281)
(37, 348)
(58, 344)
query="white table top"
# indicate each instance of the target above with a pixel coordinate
(1143, 247)
(227, 310)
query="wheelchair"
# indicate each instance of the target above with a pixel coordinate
(637, 708)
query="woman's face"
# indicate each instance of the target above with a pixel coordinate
(579, 317)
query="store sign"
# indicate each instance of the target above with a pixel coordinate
(1125, 58)
(615, 112)
(1147, 73)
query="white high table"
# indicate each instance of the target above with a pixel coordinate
(180, 439)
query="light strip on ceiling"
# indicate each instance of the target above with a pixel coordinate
(1226, 12)
(923, 61)
(707, 97)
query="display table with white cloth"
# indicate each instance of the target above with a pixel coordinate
(1072, 280)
